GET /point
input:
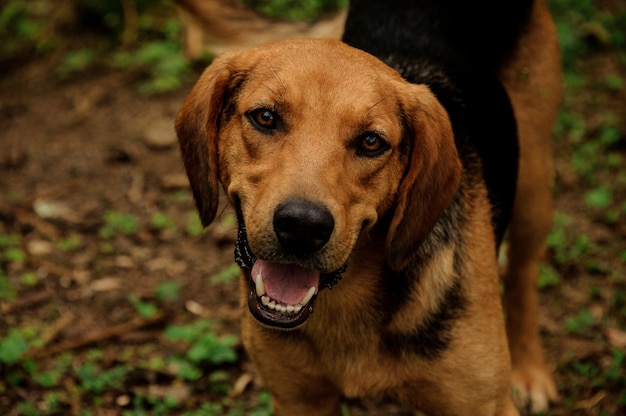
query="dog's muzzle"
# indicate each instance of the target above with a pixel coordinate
(282, 291)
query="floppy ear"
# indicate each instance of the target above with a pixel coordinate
(197, 127)
(431, 180)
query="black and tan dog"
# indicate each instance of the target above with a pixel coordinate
(391, 177)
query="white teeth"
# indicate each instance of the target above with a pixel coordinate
(308, 296)
(260, 286)
(271, 304)
(280, 307)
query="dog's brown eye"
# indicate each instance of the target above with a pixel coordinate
(371, 145)
(263, 118)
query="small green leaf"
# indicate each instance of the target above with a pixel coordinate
(579, 323)
(69, 244)
(118, 223)
(226, 275)
(145, 309)
(12, 348)
(547, 277)
(194, 225)
(214, 350)
(168, 291)
(185, 369)
(29, 278)
(161, 221)
(189, 332)
(15, 255)
(599, 198)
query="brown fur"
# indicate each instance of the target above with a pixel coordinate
(328, 94)
(533, 82)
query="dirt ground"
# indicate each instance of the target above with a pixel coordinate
(77, 154)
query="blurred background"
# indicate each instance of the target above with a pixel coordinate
(115, 301)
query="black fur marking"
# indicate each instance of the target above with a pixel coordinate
(397, 287)
(486, 138)
(456, 34)
(433, 337)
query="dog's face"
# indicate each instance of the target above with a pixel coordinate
(315, 143)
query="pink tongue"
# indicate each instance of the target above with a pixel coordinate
(285, 283)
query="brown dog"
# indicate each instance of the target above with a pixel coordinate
(395, 194)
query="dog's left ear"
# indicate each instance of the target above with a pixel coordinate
(432, 177)
(197, 127)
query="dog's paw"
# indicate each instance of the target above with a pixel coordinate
(533, 389)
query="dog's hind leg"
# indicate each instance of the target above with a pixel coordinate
(533, 81)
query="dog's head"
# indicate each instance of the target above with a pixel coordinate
(315, 143)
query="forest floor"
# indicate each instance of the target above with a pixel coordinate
(114, 301)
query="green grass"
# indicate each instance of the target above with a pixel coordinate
(590, 137)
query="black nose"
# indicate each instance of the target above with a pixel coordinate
(302, 226)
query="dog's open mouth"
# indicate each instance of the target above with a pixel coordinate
(280, 295)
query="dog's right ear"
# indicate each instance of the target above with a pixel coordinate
(197, 127)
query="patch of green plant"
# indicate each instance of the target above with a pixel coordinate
(14, 255)
(565, 240)
(581, 323)
(583, 27)
(93, 379)
(147, 405)
(227, 274)
(548, 276)
(213, 349)
(570, 126)
(294, 9)
(189, 332)
(10, 250)
(20, 28)
(168, 291)
(205, 347)
(207, 409)
(228, 221)
(13, 347)
(263, 405)
(9, 240)
(8, 292)
(118, 223)
(616, 372)
(69, 244)
(28, 409)
(50, 378)
(143, 308)
(194, 226)
(29, 278)
(184, 368)
(600, 197)
(76, 62)
(162, 61)
(161, 221)
(588, 370)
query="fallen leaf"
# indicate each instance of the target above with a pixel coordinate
(616, 337)
(197, 309)
(241, 384)
(105, 284)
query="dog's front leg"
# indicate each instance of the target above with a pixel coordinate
(289, 370)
